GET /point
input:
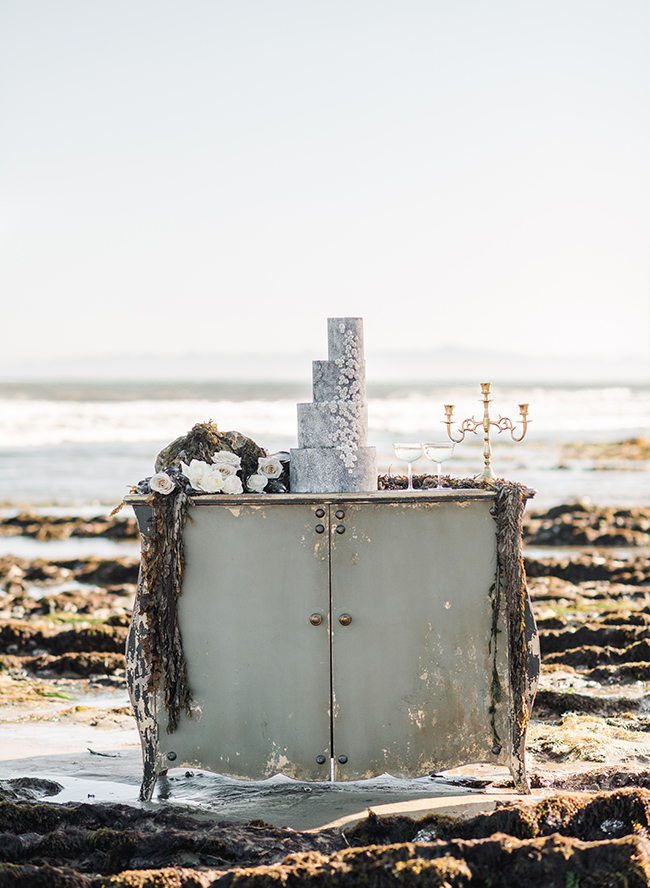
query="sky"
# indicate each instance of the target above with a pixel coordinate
(220, 176)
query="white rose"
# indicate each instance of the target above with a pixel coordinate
(161, 483)
(202, 476)
(212, 480)
(224, 469)
(232, 484)
(225, 457)
(194, 472)
(269, 467)
(256, 483)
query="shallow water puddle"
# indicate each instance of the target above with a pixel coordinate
(63, 550)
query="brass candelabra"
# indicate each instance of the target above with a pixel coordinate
(502, 424)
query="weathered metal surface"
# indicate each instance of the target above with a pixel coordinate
(412, 671)
(420, 659)
(258, 667)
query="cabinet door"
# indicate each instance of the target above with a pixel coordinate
(412, 669)
(258, 668)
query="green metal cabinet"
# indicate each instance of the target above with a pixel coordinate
(337, 636)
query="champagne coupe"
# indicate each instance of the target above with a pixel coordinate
(438, 452)
(409, 453)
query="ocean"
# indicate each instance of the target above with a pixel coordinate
(81, 445)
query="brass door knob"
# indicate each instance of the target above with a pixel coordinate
(345, 619)
(316, 619)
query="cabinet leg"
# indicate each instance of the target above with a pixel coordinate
(150, 773)
(517, 766)
(149, 778)
(142, 700)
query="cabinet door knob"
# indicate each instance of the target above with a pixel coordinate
(319, 528)
(345, 619)
(340, 514)
(316, 619)
(343, 759)
(320, 513)
(320, 759)
(340, 528)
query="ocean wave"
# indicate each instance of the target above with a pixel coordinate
(555, 413)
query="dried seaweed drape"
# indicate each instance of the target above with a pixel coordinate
(162, 582)
(510, 502)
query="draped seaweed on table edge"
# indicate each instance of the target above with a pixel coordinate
(161, 581)
(161, 584)
(510, 503)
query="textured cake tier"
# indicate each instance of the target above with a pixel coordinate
(320, 426)
(321, 470)
(327, 378)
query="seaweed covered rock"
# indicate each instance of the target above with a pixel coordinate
(569, 839)
(590, 818)
(203, 441)
(499, 862)
(578, 524)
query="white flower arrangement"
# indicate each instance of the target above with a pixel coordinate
(221, 473)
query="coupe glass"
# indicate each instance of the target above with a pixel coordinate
(409, 453)
(438, 452)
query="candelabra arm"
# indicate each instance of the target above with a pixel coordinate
(449, 412)
(523, 410)
(447, 422)
(523, 431)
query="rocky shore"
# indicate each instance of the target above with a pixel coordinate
(588, 741)
(569, 839)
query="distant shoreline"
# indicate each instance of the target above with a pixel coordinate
(444, 365)
(245, 390)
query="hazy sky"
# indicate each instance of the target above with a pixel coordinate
(223, 175)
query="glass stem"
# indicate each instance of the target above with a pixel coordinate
(410, 473)
(439, 484)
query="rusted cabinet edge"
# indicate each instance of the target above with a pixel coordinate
(143, 512)
(374, 496)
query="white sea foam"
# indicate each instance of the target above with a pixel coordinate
(31, 423)
(80, 451)
(555, 413)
